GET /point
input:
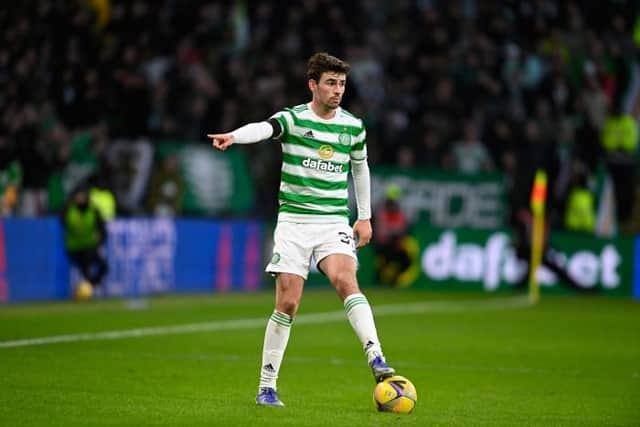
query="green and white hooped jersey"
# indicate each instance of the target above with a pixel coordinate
(316, 159)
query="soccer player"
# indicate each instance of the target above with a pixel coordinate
(321, 143)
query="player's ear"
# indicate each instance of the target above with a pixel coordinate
(312, 85)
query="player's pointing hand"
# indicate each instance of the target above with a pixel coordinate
(221, 141)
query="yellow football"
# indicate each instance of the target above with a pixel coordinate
(84, 291)
(395, 394)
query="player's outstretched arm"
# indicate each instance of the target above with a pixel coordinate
(247, 134)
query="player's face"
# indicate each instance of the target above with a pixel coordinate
(329, 90)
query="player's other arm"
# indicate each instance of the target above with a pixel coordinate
(247, 134)
(362, 185)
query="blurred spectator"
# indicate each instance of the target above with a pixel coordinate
(533, 153)
(501, 140)
(10, 179)
(167, 189)
(130, 164)
(594, 98)
(442, 109)
(405, 158)
(469, 155)
(429, 150)
(620, 142)
(580, 211)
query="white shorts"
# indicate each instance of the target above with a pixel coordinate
(296, 245)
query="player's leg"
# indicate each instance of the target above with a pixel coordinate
(96, 267)
(341, 269)
(102, 268)
(290, 265)
(82, 260)
(288, 294)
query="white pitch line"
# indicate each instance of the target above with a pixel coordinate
(304, 319)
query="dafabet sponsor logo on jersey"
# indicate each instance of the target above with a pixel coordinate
(325, 152)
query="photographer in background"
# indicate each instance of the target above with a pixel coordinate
(84, 233)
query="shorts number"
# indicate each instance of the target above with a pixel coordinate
(344, 237)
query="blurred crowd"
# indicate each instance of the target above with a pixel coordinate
(462, 85)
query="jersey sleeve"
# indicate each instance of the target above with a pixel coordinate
(359, 146)
(283, 118)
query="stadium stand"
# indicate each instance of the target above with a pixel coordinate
(533, 83)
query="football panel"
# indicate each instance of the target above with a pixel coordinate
(385, 392)
(401, 405)
(405, 385)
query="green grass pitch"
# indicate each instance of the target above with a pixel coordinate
(475, 359)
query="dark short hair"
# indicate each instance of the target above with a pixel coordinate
(322, 62)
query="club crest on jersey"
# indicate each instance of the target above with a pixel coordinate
(325, 152)
(344, 139)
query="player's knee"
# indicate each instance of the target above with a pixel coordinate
(344, 282)
(288, 306)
